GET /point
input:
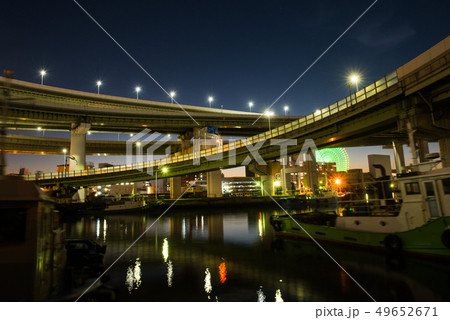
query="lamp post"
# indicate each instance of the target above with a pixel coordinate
(42, 73)
(338, 184)
(286, 109)
(64, 171)
(99, 83)
(269, 113)
(353, 79)
(172, 95)
(138, 89)
(164, 170)
(210, 99)
(250, 104)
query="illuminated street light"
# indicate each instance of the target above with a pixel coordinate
(250, 104)
(338, 182)
(138, 89)
(163, 170)
(269, 113)
(99, 83)
(65, 162)
(210, 99)
(353, 79)
(286, 109)
(172, 95)
(42, 73)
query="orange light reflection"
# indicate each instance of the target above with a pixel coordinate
(223, 272)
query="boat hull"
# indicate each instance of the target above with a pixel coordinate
(430, 239)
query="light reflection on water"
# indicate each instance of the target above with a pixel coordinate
(134, 274)
(232, 255)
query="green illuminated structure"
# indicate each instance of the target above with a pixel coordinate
(336, 155)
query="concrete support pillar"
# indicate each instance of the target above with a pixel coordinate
(267, 185)
(175, 187)
(285, 180)
(214, 184)
(444, 150)
(399, 156)
(423, 150)
(311, 180)
(185, 140)
(78, 152)
(78, 146)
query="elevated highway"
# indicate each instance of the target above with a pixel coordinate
(34, 105)
(14, 143)
(416, 94)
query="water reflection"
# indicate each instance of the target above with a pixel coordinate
(134, 274)
(255, 258)
(278, 297)
(261, 296)
(208, 286)
(165, 250)
(223, 272)
(169, 273)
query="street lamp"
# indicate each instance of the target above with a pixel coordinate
(250, 104)
(164, 170)
(172, 95)
(338, 184)
(269, 113)
(42, 73)
(353, 79)
(210, 99)
(138, 89)
(99, 83)
(286, 109)
(64, 171)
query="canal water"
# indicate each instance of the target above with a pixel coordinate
(234, 255)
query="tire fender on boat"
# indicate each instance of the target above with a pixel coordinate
(445, 238)
(393, 242)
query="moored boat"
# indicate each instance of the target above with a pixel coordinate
(419, 223)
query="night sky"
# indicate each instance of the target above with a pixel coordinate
(236, 51)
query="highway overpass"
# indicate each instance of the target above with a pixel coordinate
(416, 94)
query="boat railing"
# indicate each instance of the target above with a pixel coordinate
(372, 207)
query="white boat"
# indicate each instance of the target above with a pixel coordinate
(418, 223)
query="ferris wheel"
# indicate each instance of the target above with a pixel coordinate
(337, 155)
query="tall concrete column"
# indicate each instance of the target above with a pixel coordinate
(423, 150)
(285, 180)
(267, 185)
(214, 184)
(399, 156)
(185, 140)
(78, 146)
(444, 150)
(78, 152)
(175, 187)
(312, 180)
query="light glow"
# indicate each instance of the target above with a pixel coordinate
(165, 250)
(133, 278)
(208, 286)
(223, 272)
(278, 297)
